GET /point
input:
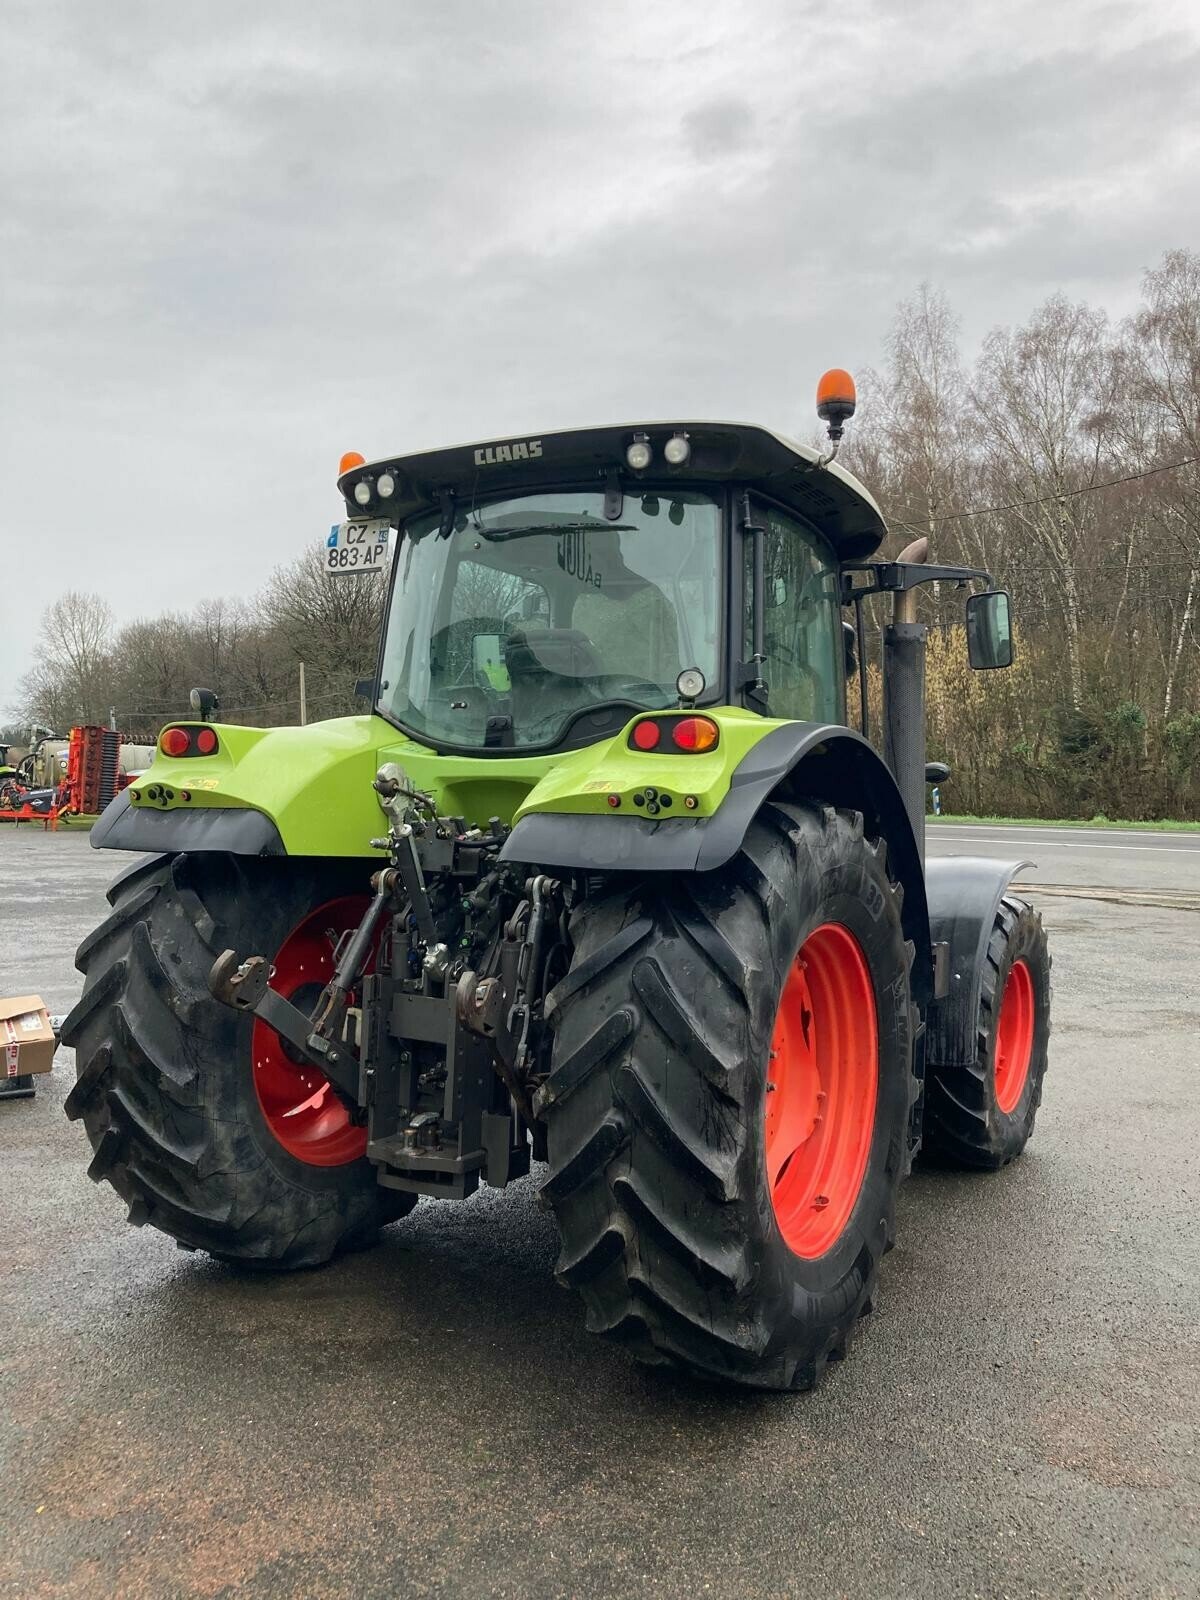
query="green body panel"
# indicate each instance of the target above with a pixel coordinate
(582, 780)
(314, 783)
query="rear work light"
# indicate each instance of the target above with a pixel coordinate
(176, 742)
(687, 735)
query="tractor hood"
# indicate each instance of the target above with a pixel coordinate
(828, 497)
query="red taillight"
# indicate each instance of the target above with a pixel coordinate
(695, 733)
(206, 741)
(174, 741)
(646, 735)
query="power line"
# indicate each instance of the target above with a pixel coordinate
(1040, 499)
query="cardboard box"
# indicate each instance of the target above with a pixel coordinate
(27, 1041)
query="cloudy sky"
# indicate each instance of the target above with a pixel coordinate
(238, 239)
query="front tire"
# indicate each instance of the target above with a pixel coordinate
(691, 1232)
(980, 1113)
(167, 1075)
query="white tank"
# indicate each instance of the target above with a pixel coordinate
(136, 757)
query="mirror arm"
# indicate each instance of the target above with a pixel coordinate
(895, 577)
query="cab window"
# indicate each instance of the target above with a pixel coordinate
(802, 630)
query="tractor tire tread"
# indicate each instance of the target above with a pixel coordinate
(652, 1165)
(159, 1092)
(964, 1127)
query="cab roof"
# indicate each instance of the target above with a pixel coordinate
(829, 497)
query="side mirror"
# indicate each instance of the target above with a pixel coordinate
(849, 649)
(989, 631)
(366, 689)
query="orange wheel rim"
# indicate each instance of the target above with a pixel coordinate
(1014, 1036)
(822, 1086)
(298, 1102)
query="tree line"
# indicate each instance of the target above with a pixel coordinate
(1064, 459)
(248, 651)
(1062, 456)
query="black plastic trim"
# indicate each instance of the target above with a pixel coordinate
(668, 721)
(575, 735)
(607, 844)
(235, 831)
(964, 895)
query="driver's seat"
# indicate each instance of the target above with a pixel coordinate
(544, 668)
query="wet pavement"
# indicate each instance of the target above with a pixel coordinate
(1019, 1416)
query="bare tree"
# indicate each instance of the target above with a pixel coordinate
(1044, 406)
(1165, 366)
(70, 680)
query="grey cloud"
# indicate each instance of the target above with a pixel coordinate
(718, 128)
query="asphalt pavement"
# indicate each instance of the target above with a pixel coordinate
(1134, 859)
(1018, 1417)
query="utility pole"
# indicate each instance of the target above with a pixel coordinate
(303, 702)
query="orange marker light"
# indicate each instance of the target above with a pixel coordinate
(349, 461)
(174, 742)
(695, 733)
(836, 392)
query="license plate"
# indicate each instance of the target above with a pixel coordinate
(356, 546)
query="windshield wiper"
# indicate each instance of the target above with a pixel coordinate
(525, 529)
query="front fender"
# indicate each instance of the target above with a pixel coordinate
(964, 895)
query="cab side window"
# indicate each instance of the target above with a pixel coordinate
(803, 623)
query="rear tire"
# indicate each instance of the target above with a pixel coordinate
(665, 1194)
(980, 1114)
(166, 1087)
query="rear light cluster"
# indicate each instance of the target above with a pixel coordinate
(688, 735)
(201, 741)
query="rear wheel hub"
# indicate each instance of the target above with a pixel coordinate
(298, 1102)
(1014, 1036)
(822, 1085)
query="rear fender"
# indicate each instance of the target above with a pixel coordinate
(792, 761)
(964, 895)
(242, 833)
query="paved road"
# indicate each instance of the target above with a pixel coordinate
(1130, 859)
(429, 1418)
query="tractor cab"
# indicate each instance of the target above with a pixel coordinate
(545, 589)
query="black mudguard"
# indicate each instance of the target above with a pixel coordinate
(240, 832)
(964, 895)
(824, 761)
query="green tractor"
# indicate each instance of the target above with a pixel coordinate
(604, 881)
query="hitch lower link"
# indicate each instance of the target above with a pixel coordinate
(244, 985)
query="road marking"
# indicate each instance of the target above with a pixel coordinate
(947, 830)
(1066, 844)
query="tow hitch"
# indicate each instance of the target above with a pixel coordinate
(439, 1047)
